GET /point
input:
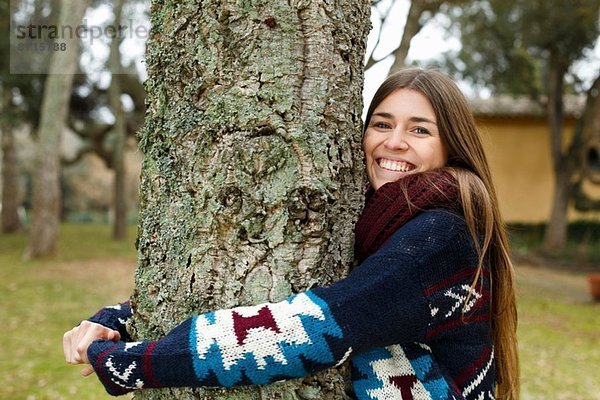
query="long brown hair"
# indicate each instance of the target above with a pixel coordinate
(467, 161)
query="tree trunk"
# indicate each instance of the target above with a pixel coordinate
(555, 236)
(11, 196)
(591, 135)
(11, 199)
(119, 130)
(253, 176)
(57, 92)
(586, 141)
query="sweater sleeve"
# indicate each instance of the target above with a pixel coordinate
(378, 304)
(115, 317)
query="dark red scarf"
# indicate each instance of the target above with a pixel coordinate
(390, 207)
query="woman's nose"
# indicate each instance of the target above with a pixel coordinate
(397, 140)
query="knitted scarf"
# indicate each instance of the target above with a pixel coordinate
(394, 203)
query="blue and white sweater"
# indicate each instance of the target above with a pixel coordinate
(408, 319)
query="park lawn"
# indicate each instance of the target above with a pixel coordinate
(559, 334)
(559, 326)
(43, 299)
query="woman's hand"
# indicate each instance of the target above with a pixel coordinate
(77, 340)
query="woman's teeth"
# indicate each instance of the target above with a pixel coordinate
(395, 165)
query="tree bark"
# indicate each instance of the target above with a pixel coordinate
(46, 186)
(253, 176)
(120, 133)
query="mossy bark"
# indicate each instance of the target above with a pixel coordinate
(253, 177)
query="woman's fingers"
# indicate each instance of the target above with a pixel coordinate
(115, 336)
(70, 340)
(92, 331)
(87, 371)
(77, 340)
(67, 337)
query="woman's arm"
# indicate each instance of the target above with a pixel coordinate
(243, 345)
(380, 303)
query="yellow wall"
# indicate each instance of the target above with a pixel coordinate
(518, 151)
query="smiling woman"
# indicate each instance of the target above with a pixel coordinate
(429, 312)
(398, 109)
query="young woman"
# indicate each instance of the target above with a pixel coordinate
(429, 313)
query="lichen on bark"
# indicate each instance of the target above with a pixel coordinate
(252, 177)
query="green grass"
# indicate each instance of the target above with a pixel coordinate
(559, 335)
(559, 327)
(43, 299)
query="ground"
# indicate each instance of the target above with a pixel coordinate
(559, 325)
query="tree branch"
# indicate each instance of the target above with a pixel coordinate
(382, 20)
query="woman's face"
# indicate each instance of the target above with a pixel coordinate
(402, 138)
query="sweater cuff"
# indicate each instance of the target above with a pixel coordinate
(124, 367)
(100, 355)
(115, 317)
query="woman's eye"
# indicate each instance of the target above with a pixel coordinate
(421, 131)
(382, 125)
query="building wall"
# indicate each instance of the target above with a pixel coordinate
(518, 151)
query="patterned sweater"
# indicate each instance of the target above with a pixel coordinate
(404, 318)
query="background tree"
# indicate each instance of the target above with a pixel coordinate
(530, 47)
(108, 138)
(20, 104)
(57, 91)
(10, 169)
(10, 199)
(252, 177)
(120, 131)
(586, 147)
(23, 93)
(419, 13)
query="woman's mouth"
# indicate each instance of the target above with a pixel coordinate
(396, 166)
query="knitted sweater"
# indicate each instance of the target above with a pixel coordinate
(401, 317)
